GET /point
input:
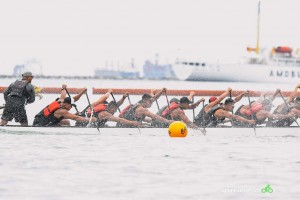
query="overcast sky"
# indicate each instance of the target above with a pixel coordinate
(76, 36)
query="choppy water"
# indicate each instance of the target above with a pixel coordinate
(147, 167)
(124, 166)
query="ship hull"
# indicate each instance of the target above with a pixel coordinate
(238, 73)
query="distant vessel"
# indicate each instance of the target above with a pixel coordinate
(154, 70)
(32, 64)
(120, 73)
(282, 64)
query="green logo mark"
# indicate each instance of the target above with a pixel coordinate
(266, 189)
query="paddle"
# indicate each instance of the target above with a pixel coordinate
(82, 113)
(70, 97)
(157, 103)
(129, 100)
(115, 102)
(203, 115)
(287, 107)
(251, 113)
(230, 96)
(92, 112)
(199, 128)
(193, 110)
(131, 104)
(168, 104)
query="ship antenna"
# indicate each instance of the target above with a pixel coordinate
(258, 21)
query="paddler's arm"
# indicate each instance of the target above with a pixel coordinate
(77, 96)
(157, 95)
(222, 113)
(152, 92)
(296, 112)
(275, 94)
(264, 114)
(240, 96)
(77, 118)
(102, 98)
(217, 101)
(293, 94)
(121, 101)
(194, 105)
(186, 120)
(63, 92)
(110, 117)
(280, 116)
(154, 116)
(192, 94)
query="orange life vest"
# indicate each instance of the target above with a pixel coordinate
(255, 109)
(51, 108)
(173, 106)
(98, 108)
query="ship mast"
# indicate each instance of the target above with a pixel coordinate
(257, 41)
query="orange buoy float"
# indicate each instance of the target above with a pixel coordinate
(178, 129)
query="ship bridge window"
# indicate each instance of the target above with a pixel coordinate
(203, 64)
(185, 63)
(197, 64)
(191, 63)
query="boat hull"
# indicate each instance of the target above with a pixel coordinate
(238, 73)
(224, 131)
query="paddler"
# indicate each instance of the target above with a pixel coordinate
(260, 110)
(176, 100)
(214, 114)
(199, 117)
(296, 109)
(105, 111)
(57, 113)
(16, 96)
(139, 112)
(289, 104)
(176, 111)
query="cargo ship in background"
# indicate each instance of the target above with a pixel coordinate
(151, 69)
(280, 64)
(120, 71)
(154, 70)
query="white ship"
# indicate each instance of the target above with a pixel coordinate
(281, 64)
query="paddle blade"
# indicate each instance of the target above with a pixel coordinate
(89, 125)
(203, 131)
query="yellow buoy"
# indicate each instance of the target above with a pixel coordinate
(178, 129)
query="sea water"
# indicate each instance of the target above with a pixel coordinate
(133, 166)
